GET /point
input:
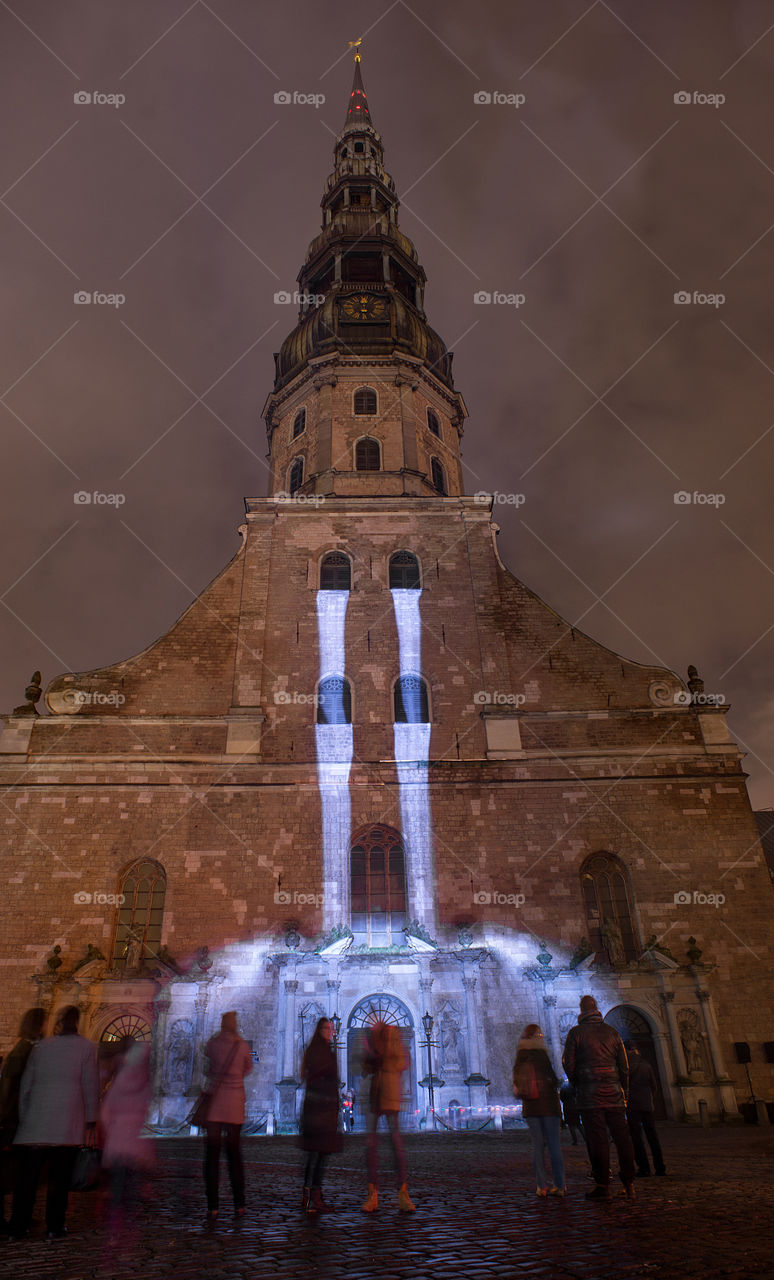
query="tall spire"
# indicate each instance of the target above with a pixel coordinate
(357, 111)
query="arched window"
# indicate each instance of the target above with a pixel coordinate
(404, 572)
(334, 701)
(367, 455)
(296, 478)
(607, 899)
(335, 572)
(365, 400)
(439, 477)
(138, 929)
(299, 423)
(433, 423)
(411, 702)
(378, 888)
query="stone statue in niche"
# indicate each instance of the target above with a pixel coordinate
(612, 942)
(179, 1057)
(450, 1043)
(692, 1041)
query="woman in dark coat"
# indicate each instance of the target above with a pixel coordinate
(319, 1134)
(535, 1082)
(30, 1031)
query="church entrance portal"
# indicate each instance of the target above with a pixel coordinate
(633, 1028)
(379, 1008)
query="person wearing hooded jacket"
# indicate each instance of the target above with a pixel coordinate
(536, 1083)
(595, 1062)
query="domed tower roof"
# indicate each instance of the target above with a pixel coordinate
(361, 286)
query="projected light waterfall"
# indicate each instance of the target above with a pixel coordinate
(412, 748)
(333, 740)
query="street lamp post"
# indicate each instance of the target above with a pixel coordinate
(430, 1080)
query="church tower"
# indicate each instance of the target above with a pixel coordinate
(363, 400)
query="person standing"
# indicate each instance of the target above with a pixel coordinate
(122, 1115)
(640, 1111)
(319, 1134)
(384, 1061)
(30, 1032)
(58, 1102)
(595, 1062)
(570, 1113)
(535, 1082)
(228, 1060)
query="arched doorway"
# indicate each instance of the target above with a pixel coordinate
(379, 1008)
(634, 1028)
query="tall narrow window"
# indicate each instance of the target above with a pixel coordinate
(439, 478)
(411, 701)
(334, 701)
(367, 455)
(404, 572)
(433, 423)
(378, 888)
(365, 400)
(138, 929)
(299, 423)
(335, 572)
(296, 478)
(607, 900)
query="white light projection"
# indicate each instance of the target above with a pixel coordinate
(412, 749)
(334, 759)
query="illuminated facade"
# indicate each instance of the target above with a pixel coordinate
(368, 771)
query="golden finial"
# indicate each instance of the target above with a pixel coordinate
(355, 44)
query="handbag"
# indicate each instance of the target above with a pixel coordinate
(201, 1108)
(86, 1170)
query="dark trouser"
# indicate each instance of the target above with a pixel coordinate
(60, 1171)
(596, 1123)
(236, 1170)
(637, 1121)
(398, 1156)
(315, 1168)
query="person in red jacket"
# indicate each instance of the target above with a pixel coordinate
(595, 1062)
(535, 1082)
(319, 1129)
(228, 1062)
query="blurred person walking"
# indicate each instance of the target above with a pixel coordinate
(228, 1060)
(58, 1102)
(124, 1108)
(568, 1096)
(319, 1130)
(536, 1083)
(30, 1031)
(384, 1061)
(595, 1062)
(640, 1111)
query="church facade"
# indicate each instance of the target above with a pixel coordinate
(369, 773)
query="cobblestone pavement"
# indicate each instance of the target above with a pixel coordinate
(477, 1217)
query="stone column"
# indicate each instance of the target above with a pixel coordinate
(681, 1069)
(199, 1038)
(289, 1055)
(476, 1082)
(159, 1050)
(409, 425)
(552, 1031)
(723, 1082)
(323, 385)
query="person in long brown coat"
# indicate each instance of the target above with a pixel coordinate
(319, 1133)
(384, 1061)
(30, 1031)
(228, 1062)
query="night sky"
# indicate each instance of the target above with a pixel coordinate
(598, 198)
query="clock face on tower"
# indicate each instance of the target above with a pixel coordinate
(364, 306)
